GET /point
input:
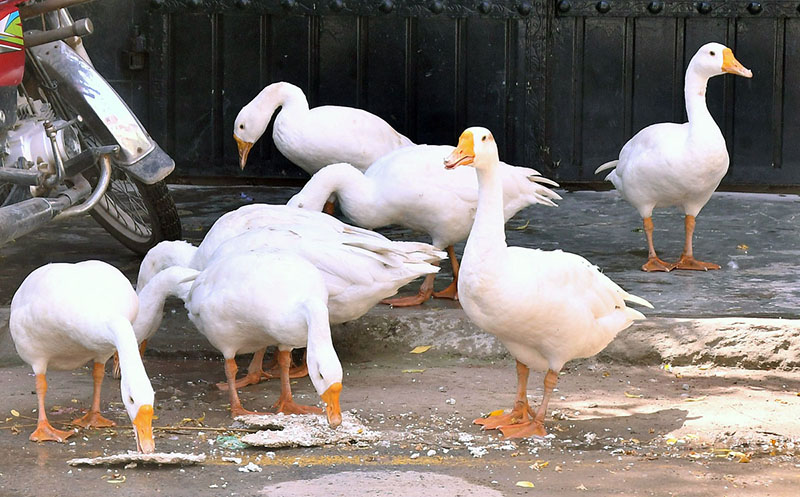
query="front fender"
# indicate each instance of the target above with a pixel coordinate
(104, 112)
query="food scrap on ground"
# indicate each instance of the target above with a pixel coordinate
(138, 457)
(307, 430)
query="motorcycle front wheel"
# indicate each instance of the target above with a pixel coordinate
(136, 214)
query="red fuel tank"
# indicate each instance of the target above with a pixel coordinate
(12, 53)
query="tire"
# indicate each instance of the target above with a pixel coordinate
(136, 214)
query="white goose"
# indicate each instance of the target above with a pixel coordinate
(670, 164)
(234, 303)
(62, 329)
(547, 307)
(360, 267)
(409, 187)
(314, 138)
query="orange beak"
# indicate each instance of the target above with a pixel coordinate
(332, 409)
(244, 149)
(733, 66)
(464, 154)
(143, 428)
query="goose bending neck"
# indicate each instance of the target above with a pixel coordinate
(167, 283)
(356, 193)
(695, 94)
(488, 230)
(282, 94)
(130, 362)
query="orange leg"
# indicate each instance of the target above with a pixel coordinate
(115, 371)
(329, 208)
(236, 404)
(521, 408)
(285, 403)
(425, 292)
(254, 372)
(93, 418)
(451, 292)
(534, 427)
(687, 260)
(295, 372)
(653, 262)
(44, 430)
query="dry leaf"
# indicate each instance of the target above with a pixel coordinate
(606, 374)
(633, 396)
(420, 349)
(121, 479)
(705, 367)
(695, 399)
(527, 223)
(742, 246)
(14, 413)
(526, 484)
(672, 441)
(667, 367)
(413, 370)
(743, 458)
(581, 487)
(539, 464)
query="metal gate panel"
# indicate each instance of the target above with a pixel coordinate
(561, 83)
(618, 66)
(428, 68)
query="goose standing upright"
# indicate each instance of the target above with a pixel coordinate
(314, 138)
(62, 329)
(547, 307)
(668, 164)
(409, 187)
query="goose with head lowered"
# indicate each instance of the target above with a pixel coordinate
(313, 138)
(546, 307)
(409, 187)
(253, 299)
(64, 315)
(670, 164)
(359, 267)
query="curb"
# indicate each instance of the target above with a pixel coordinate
(752, 343)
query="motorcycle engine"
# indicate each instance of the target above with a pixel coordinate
(28, 138)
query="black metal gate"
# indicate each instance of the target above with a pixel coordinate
(561, 83)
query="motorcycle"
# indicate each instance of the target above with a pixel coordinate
(68, 143)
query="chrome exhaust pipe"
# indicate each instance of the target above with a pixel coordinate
(26, 216)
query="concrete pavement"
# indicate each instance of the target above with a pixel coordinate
(687, 403)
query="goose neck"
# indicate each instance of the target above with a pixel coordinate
(488, 229)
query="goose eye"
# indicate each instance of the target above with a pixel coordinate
(130, 399)
(712, 53)
(241, 126)
(484, 138)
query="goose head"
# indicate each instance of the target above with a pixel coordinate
(247, 129)
(138, 398)
(254, 117)
(713, 59)
(325, 372)
(476, 147)
(165, 254)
